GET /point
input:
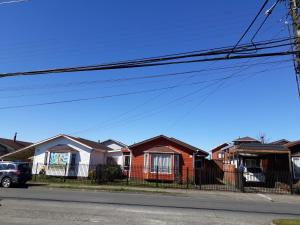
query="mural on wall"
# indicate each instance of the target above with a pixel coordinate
(58, 158)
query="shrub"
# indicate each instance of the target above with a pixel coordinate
(92, 174)
(108, 173)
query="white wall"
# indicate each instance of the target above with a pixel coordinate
(116, 153)
(117, 156)
(82, 158)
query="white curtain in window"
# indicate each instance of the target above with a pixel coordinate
(162, 162)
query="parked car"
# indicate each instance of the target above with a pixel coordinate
(254, 174)
(14, 173)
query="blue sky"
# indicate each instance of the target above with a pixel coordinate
(42, 34)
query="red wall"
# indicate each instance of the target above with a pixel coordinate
(137, 160)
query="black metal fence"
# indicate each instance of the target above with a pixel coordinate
(165, 177)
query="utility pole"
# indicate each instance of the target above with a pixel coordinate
(296, 29)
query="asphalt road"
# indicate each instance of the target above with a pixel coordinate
(64, 207)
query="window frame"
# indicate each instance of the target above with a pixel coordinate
(124, 162)
(295, 175)
(159, 171)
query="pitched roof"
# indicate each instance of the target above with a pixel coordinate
(115, 141)
(62, 147)
(292, 144)
(91, 144)
(13, 145)
(219, 147)
(259, 146)
(280, 142)
(162, 149)
(171, 139)
(246, 139)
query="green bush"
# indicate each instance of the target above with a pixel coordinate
(92, 174)
(108, 173)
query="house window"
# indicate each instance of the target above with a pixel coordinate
(46, 158)
(296, 167)
(126, 161)
(220, 155)
(73, 159)
(146, 160)
(161, 162)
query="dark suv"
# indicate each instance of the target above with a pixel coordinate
(14, 173)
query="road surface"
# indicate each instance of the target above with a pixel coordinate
(65, 206)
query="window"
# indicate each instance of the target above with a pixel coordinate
(7, 167)
(296, 167)
(46, 158)
(146, 160)
(220, 155)
(126, 161)
(161, 162)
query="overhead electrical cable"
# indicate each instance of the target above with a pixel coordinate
(158, 61)
(249, 27)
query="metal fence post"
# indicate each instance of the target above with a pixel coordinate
(199, 177)
(36, 168)
(241, 181)
(291, 183)
(187, 178)
(157, 176)
(65, 172)
(127, 177)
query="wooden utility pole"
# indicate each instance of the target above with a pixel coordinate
(296, 29)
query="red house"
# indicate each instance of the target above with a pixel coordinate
(166, 159)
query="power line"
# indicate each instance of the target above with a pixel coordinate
(115, 95)
(268, 13)
(166, 105)
(133, 65)
(146, 77)
(249, 27)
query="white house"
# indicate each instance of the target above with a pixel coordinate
(63, 155)
(118, 152)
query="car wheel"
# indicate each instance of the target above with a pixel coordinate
(6, 182)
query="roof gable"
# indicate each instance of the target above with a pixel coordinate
(246, 139)
(170, 139)
(112, 141)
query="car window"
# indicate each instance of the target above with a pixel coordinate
(11, 166)
(23, 167)
(254, 170)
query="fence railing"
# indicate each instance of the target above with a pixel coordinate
(165, 177)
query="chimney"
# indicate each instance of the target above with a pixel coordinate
(15, 137)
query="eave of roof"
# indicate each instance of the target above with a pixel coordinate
(292, 144)
(174, 140)
(246, 138)
(219, 147)
(117, 142)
